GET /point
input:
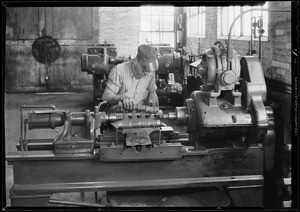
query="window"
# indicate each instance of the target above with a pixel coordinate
(196, 21)
(242, 26)
(157, 25)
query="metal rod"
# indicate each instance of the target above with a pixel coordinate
(259, 47)
(117, 141)
(251, 38)
(24, 141)
(21, 130)
(38, 106)
(142, 184)
(83, 204)
(96, 197)
(245, 187)
(139, 124)
(159, 137)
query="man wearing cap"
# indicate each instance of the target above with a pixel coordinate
(133, 82)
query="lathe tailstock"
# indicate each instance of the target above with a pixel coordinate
(229, 143)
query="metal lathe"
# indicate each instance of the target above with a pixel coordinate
(229, 140)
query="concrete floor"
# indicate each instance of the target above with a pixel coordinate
(73, 102)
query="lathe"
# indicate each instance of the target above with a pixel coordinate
(229, 142)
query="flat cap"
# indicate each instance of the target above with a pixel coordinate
(146, 54)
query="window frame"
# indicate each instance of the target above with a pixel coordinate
(200, 16)
(160, 31)
(242, 19)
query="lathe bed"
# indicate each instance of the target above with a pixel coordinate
(39, 174)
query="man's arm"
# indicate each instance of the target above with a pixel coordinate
(153, 99)
(111, 97)
(112, 87)
(111, 91)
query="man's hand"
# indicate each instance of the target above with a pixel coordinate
(127, 103)
(152, 99)
(159, 114)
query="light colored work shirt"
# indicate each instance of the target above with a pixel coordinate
(121, 80)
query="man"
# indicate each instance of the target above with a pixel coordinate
(133, 82)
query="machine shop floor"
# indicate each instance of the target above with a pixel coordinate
(80, 102)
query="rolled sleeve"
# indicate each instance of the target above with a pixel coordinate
(114, 80)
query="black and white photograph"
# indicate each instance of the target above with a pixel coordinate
(150, 105)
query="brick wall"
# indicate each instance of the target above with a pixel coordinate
(280, 43)
(120, 26)
(276, 52)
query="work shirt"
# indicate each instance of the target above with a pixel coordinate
(121, 80)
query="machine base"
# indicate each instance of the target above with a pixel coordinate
(170, 151)
(39, 174)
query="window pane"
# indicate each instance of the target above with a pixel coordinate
(203, 24)
(154, 23)
(230, 18)
(194, 25)
(146, 10)
(156, 20)
(265, 20)
(228, 14)
(168, 10)
(144, 37)
(196, 21)
(156, 11)
(149, 37)
(237, 24)
(256, 13)
(224, 21)
(168, 23)
(193, 11)
(145, 23)
(247, 22)
(168, 38)
(199, 24)
(155, 37)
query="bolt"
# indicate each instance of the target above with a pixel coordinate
(94, 65)
(225, 106)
